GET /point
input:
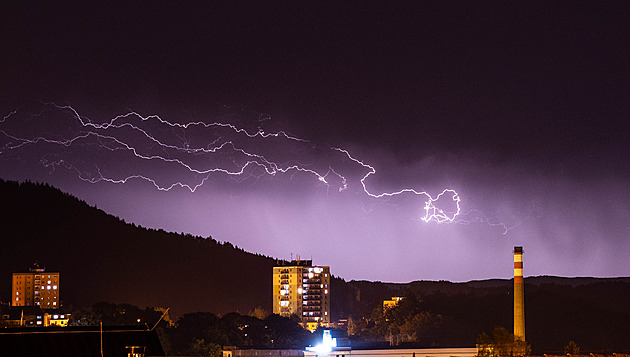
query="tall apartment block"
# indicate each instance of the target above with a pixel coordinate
(37, 287)
(304, 290)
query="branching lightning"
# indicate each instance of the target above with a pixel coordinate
(193, 149)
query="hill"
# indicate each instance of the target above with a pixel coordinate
(103, 258)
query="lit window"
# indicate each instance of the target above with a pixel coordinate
(54, 303)
(304, 302)
(325, 313)
(17, 299)
(326, 291)
(311, 275)
(55, 316)
(64, 316)
(54, 287)
(49, 281)
(299, 290)
(318, 270)
(39, 322)
(48, 287)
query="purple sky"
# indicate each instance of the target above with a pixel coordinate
(520, 108)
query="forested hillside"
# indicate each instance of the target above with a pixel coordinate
(102, 258)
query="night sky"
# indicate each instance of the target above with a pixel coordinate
(519, 107)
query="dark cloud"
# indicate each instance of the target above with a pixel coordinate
(520, 107)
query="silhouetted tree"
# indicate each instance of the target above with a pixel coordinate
(571, 348)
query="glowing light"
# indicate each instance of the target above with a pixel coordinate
(326, 346)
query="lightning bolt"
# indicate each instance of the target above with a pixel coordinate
(227, 150)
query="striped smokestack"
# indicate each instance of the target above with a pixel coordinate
(519, 296)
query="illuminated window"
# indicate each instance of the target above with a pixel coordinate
(326, 313)
(39, 322)
(55, 316)
(54, 287)
(48, 287)
(17, 299)
(318, 270)
(17, 293)
(311, 275)
(326, 291)
(49, 280)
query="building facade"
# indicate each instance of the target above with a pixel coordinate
(304, 290)
(37, 287)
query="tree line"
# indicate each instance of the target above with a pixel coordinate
(202, 333)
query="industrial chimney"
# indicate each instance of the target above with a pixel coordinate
(519, 296)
